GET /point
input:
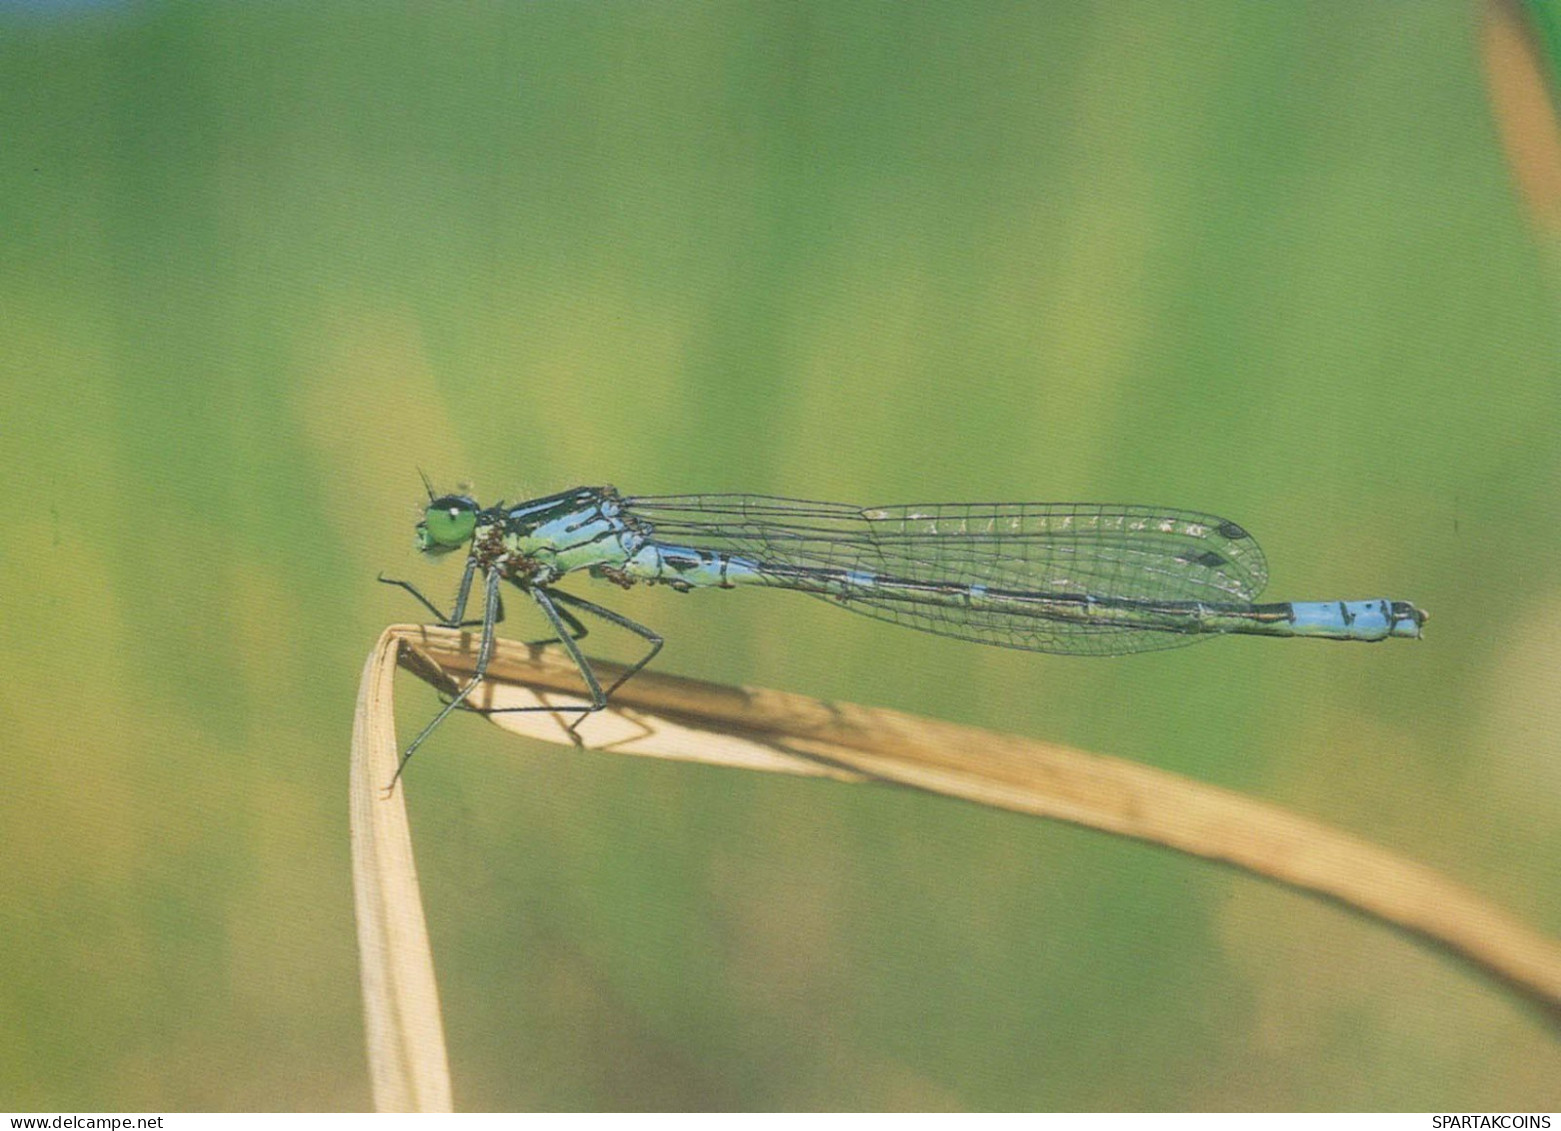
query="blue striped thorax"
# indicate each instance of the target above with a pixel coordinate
(543, 539)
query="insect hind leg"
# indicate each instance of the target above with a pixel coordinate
(550, 600)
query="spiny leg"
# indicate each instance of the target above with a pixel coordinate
(498, 619)
(653, 638)
(558, 595)
(556, 617)
(455, 619)
(593, 685)
(598, 696)
(484, 653)
(577, 630)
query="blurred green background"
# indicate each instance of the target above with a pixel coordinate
(261, 262)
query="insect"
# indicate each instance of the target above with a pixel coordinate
(1073, 578)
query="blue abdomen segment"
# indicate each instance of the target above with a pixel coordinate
(1376, 619)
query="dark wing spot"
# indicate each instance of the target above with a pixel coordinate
(1231, 531)
(1208, 558)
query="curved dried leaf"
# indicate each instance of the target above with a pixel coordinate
(665, 716)
(408, 1067)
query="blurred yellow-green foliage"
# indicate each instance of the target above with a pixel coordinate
(259, 262)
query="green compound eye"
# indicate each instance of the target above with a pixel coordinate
(447, 524)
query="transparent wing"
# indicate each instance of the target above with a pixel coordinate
(1132, 553)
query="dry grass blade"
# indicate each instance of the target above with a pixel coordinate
(407, 1063)
(665, 716)
(1524, 106)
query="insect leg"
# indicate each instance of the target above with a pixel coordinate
(484, 654)
(654, 639)
(558, 597)
(454, 619)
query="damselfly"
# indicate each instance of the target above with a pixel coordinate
(1074, 578)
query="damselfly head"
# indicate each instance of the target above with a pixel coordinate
(447, 524)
